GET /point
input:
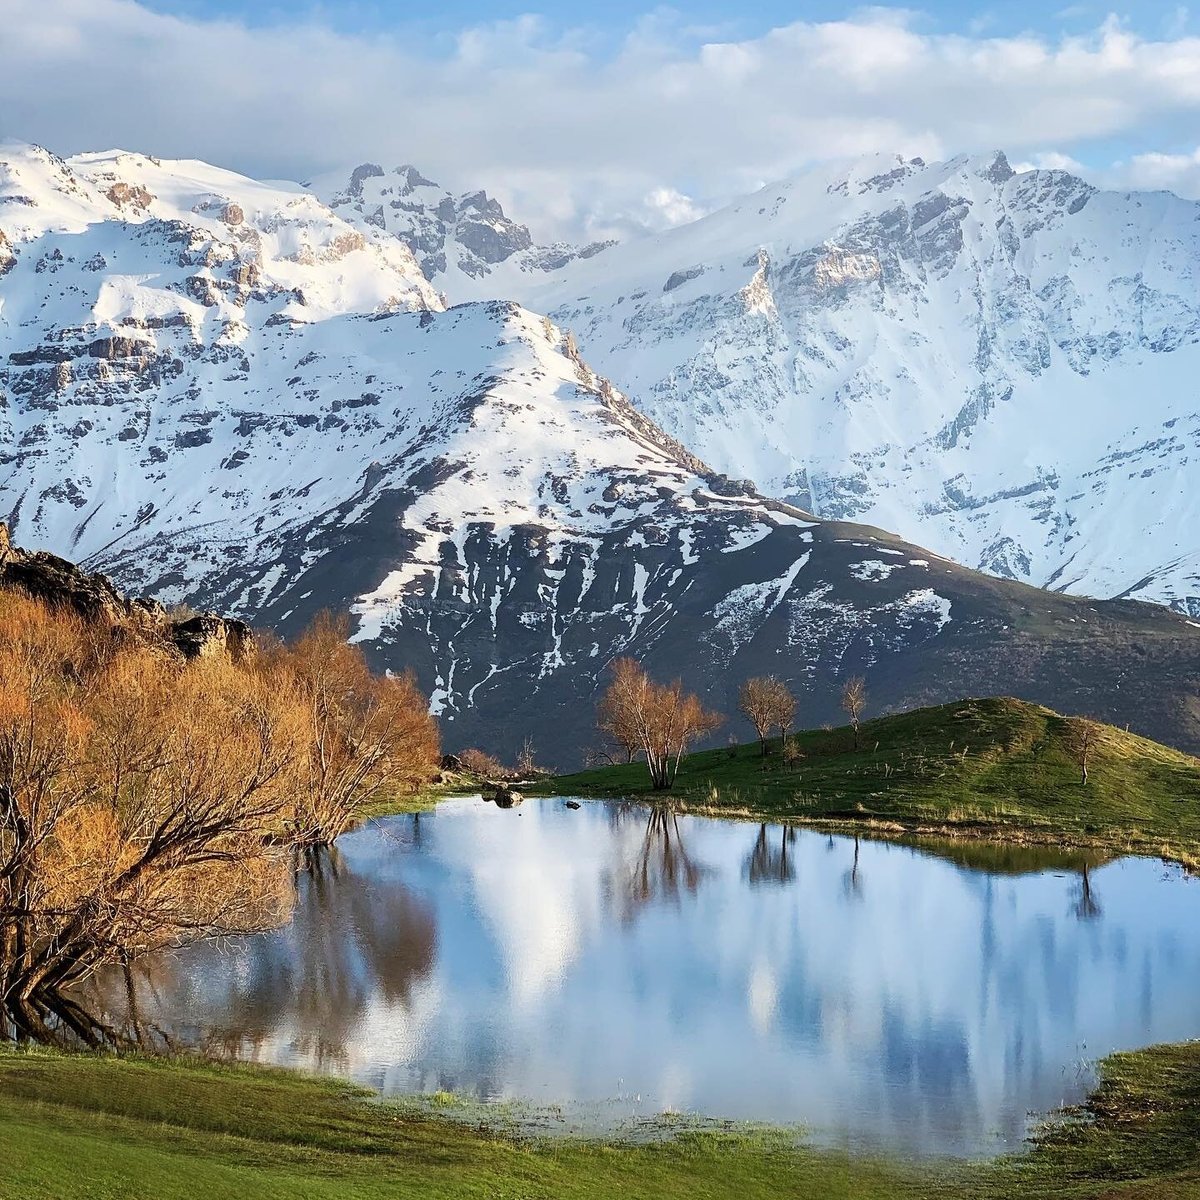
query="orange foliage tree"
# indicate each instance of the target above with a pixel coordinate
(366, 735)
(661, 720)
(147, 801)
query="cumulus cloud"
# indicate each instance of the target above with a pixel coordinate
(1051, 160)
(1152, 171)
(577, 138)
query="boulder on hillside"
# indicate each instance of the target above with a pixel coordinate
(208, 634)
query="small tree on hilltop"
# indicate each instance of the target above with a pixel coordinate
(767, 704)
(854, 702)
(1080, 737)
(785, 709)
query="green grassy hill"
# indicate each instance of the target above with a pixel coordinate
(998, 768)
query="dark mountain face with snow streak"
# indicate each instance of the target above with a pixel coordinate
(251, 406)
(999, 365)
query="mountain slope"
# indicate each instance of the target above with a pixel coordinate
(490, 511)
(999, 365)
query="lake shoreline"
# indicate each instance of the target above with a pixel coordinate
(991, 769)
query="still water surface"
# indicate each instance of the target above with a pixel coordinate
(624, 963)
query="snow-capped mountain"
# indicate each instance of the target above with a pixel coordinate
(999, 365)
(219, 392)
(465, 244)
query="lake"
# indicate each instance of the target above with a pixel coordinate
(622, 962)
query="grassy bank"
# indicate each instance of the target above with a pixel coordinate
(75, 1127)
(998, 768)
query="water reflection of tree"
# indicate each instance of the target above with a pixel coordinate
(852, 879)
(769, 861)
(662, 870)
(352, 941)
(1085, 907)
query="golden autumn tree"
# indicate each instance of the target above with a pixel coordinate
(366, 735)
(147, 800)
(662, 720)
(140, 802)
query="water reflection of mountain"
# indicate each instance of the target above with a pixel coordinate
(353, 942)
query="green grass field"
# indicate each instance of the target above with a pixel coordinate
(997, 768)
(83, 1126)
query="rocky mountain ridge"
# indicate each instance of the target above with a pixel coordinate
(998, 364)
(465, 244)
(490, 510)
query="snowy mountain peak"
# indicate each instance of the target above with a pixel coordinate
(222, 391)
(459, 240)
(998, 364)
(230, 242)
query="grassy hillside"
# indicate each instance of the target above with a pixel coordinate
(998, 767)
(81, 1127)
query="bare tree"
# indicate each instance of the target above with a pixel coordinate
(756, 704)
(785, 710)
(1080, 737)
(527, 760)
(767, 704)
(854, 702)
(616, 717)
(664, 718)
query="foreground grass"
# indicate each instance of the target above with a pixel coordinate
(78, 1126)
(998, 768)
(84, 1126)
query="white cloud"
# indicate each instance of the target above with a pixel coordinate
(1154, 171)
(577, 138)
(1050, 160)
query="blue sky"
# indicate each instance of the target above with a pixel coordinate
(589, 120)
(732, 19)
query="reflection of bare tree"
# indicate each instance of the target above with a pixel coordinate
(852, 879)
(663, 869)
(1086, 906)
(351, 941)
(770, 862)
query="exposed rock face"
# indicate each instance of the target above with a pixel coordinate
(208, 635)
(92, 596)
(122, 193)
